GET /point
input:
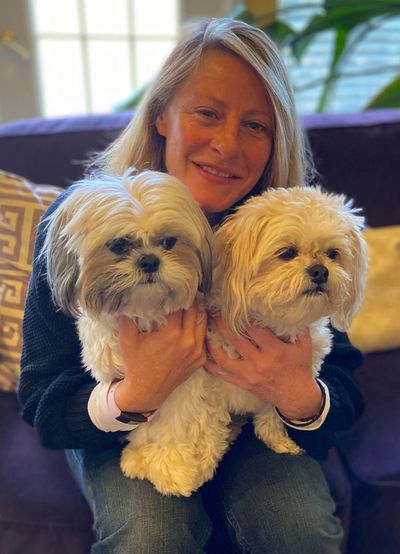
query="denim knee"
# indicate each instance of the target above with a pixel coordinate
(287, 529)
(130, 516)
(276, 503)
(306, 529)
(144, 535)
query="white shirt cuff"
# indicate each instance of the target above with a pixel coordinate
(102, 416)
(315, 424)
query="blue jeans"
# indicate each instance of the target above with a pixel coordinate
(269, 503)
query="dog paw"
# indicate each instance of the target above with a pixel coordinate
(285, 446)
(168, 471)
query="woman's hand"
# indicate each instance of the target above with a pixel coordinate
(156, 363)
(279, 373)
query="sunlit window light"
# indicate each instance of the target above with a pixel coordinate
(92, 54)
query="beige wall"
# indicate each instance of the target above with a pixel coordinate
(18, 98)
(211, 8)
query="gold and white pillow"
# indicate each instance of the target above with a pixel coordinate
(22, 204)
(377, 326)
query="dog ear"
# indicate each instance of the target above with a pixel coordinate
(358, 267)
(62, 264)
(232, 273)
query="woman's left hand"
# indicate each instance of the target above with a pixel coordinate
(278, 372)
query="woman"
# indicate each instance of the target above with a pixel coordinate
(220, 116)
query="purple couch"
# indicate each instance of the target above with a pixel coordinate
(42, 510)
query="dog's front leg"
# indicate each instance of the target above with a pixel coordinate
(270, 429)
(179, 449)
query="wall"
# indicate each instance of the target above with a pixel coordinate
(18, 98)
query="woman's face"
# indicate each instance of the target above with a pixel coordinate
(218, 131)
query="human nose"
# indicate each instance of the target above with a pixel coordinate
(226, 139)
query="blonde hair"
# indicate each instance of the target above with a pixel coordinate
(142, 147)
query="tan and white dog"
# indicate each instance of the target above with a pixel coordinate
(287, 259)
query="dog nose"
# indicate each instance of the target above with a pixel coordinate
(149, 263)
(318, 273)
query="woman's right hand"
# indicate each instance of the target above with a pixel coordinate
(158, 362)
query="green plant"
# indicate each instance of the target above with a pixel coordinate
(351, 21)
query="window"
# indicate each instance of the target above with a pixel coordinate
(373, 63)
(93, 53)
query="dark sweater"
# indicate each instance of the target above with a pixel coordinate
(54, 388)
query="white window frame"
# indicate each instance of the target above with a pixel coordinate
(84, 37)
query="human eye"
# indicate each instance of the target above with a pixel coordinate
(257, 127)
(207, 113)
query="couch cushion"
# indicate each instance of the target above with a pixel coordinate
(372, 447)
(21, 206)
(355, 154)
(41, 507)
(55, 150)
(358, 155)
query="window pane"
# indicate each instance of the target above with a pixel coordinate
(377, 55)
(105, 17)
(61, 77)
(55, 16)
(149, 57)
(155, 17)
(109, 73)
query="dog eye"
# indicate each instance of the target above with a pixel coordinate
(288, 254)
(332, 253)
(168, 243)
(120, 246)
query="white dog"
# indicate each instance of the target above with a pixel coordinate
(137, 246)
(285, 260)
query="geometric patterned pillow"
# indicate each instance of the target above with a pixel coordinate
(21, 207)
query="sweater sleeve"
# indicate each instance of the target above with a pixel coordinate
(54, 388)
(346, 400)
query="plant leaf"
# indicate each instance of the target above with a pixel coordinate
(387, 97)
(279, 31)
(340, 45)
(241, 13)
(133, 100)
(347, 15)
(299, 46)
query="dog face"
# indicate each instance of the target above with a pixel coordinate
(137, 244)
(291, 256)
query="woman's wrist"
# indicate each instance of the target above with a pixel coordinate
(101, 414)
(310, 406)
(129, 402)
(122, 415)
(314, 422)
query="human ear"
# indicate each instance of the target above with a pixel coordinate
(161, 124)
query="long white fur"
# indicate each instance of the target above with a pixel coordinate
(180, 447)
(179, 450)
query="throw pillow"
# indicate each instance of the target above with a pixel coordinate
(377, 326)
(21, 206)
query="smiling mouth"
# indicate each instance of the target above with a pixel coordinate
(216, 172)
